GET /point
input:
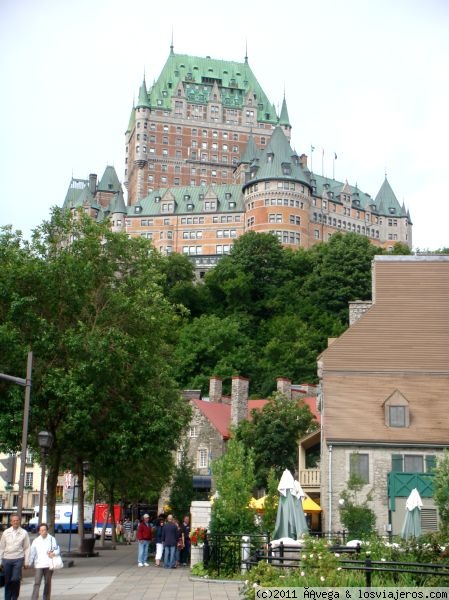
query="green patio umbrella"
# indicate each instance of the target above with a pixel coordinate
(412, 521)
(290, 519)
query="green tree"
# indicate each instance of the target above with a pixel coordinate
(441, 491)
(90, 304)
(234, 480)
(400, 249)
(355, 513)
(342, 272)
(271, 502)
(209, 345)
(273, 434)
(182, 493)
(247, 280)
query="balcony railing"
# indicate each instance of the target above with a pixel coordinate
(310, 478)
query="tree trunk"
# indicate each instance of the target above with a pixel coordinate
(113, 524)
(80, 507)
(52, 482)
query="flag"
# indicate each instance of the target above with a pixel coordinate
(312, 148)
(335, 156)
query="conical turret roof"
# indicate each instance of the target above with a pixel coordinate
(109, 182)
(279, 161)
(386, 201)
(117, 204)
(143, 101)
(284, 118)
(251, 151)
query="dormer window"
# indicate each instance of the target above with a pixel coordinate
(190, 206)
(392, 210)
(397, 412)
(137, 209)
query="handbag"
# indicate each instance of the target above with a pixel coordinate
(56, 561)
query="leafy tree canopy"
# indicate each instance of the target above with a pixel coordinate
(273, 434)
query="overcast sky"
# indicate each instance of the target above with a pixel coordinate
(365, 79)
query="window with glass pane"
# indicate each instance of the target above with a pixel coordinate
(397, 416)
(202, 458)
(359, 466)
(413, 463)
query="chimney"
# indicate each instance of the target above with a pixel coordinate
(357, 309)
(284, 386)
(239, 399)
(92, 183)
(215, 389)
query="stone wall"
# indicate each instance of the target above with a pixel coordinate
(380, 462)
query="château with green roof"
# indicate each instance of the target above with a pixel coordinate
(208, 158)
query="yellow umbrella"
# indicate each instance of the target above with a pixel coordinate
(310, 506)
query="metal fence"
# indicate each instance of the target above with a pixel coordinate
(229, 553)
(290, 556)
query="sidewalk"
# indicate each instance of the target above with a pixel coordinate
(114, 575)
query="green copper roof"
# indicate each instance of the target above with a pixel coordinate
(387, 202)
(132, 120)
(143, 101)
(251, 151)
(109, 182)
(278, 161)
(198, 75)
(284, 119)
(191, 199)
(76, 188)
(117, 204)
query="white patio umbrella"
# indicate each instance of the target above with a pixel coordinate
(412, 521)
(290, 519)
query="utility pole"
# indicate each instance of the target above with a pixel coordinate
(26, 383)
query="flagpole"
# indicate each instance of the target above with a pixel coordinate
(312, 148)
(322, 164)
(333, 165)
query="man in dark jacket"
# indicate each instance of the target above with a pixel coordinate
(170, 536)
(185, 528)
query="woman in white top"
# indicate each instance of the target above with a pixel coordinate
(43, 549)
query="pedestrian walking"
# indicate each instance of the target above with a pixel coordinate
(43, 549)
(159, 543)
(185, 552)
(128, 530)
(144, 536)
(119, 532)
(170, 536)
(14, 555)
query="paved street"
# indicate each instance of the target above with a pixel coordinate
(114, 575)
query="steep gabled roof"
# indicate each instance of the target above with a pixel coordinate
(199, 75)
(407, 328)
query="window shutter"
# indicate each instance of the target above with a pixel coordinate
(431, 462)
(396, 463)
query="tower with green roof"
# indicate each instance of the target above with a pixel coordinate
(192, 125)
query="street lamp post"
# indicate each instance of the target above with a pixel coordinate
(45, 441)
(26, 383)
